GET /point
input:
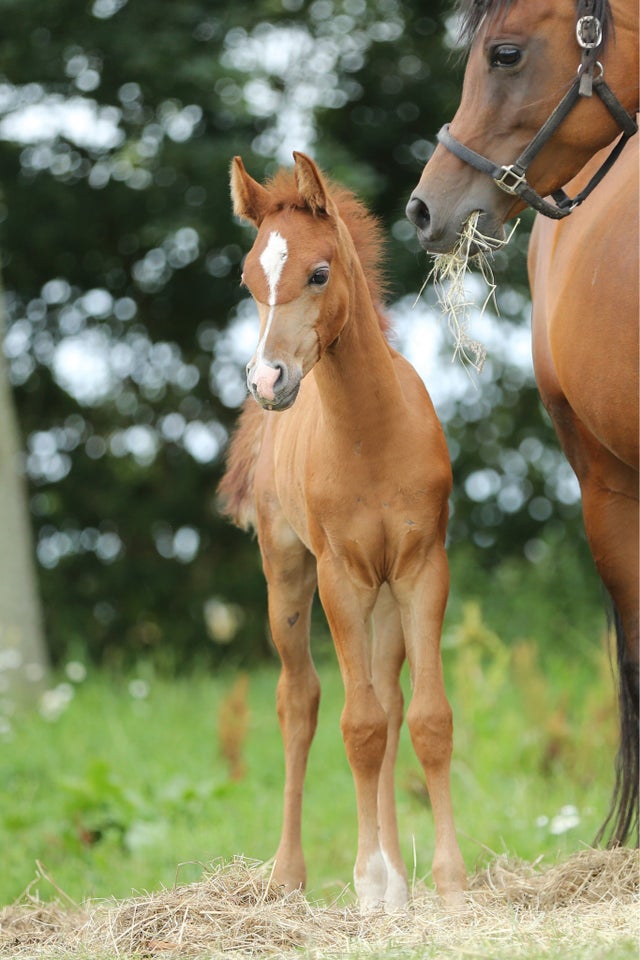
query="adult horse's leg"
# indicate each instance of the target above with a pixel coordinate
(586, 366)
(610, 508)
(609, 491)
(611, 524)
(388, 657)
(348, 607)
(422, 603)
(290, 571)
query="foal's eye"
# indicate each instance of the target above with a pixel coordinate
(505, 55)
(319, 277)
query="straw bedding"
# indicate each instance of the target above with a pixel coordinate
(235, 911)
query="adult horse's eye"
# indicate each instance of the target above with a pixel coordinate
(505, 55)
(319, 277)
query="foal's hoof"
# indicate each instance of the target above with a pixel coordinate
(396, 895)
(454, 901)
(371, 884)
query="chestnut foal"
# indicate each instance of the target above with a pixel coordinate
(347, 487)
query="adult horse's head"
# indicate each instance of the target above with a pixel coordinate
(295, 273)
(526, 59)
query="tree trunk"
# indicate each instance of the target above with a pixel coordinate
(23, 656)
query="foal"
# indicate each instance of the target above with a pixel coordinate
(347, 488)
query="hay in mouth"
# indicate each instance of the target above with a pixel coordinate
(448, 275)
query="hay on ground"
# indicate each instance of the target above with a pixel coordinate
(236, 911)
(588, 877)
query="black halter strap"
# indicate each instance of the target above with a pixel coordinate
(512, 178)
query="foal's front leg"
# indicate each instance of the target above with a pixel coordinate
(388, 658)
(348, 609)
(422, 599)
(290, 571)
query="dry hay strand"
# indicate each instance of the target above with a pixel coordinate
(236, 910)
(588, 877)
(448, 274)
(26, 927)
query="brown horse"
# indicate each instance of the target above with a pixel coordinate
(347, 487)
(547, 87)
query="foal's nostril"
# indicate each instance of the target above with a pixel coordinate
(267, 379)
(418, 212)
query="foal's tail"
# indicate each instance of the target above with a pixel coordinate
(235, 491)
(621, 824)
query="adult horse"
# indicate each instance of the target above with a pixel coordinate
(342, 469)
(546, 88)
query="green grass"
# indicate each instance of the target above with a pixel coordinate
(127, 789)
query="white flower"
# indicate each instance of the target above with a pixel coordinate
(567, 819)
(139, 689)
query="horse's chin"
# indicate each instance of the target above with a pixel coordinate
(280, 403)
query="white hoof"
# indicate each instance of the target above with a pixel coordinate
(371, 884)
(397, 892)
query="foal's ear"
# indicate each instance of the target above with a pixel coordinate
(310, 184)
(250, 199)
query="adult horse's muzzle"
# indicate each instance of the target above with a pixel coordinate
(447, 194)
(439, 233)
(273, 384)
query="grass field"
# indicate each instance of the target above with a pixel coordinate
(127, 801)
(132, 807)
(124, 784)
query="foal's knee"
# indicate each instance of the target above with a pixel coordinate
(364, 731)
(431, 732)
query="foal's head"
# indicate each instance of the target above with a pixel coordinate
(300, 271)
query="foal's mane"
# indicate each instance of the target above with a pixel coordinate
(473, 12)
(366, 231)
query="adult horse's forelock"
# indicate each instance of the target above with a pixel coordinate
(472, 13)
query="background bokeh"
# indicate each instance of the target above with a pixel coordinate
(127, 331)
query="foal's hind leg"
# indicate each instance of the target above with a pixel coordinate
(388, 657)
(422, 603)
(290, 571)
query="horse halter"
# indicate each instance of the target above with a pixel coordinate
(512, 177)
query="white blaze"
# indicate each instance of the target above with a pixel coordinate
(272, 261)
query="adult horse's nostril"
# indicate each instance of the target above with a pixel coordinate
(418, 212)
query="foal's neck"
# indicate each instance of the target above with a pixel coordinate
(356, 377)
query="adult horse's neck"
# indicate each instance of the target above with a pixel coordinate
(620, 72)
(356, 377)
(622, 56)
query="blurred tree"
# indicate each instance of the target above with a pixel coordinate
(127, 330)
(23, 655)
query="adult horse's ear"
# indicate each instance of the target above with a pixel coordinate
(250, 199)
(310, 183)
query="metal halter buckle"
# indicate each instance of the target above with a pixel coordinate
(596, 64)
(589, 32)
(510, 185)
